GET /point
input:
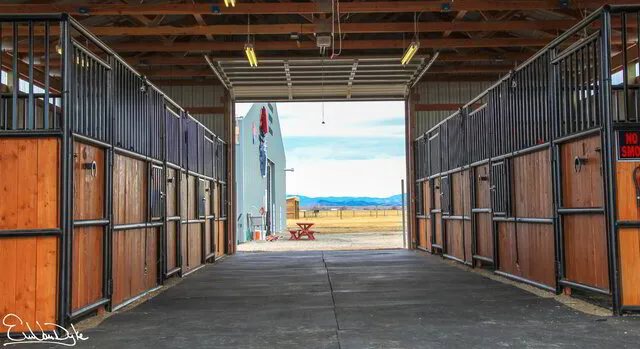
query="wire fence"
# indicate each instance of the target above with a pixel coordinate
(350, 213)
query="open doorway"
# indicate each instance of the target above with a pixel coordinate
(332, 175)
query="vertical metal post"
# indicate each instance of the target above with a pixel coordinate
(404, 232)
(608, 156)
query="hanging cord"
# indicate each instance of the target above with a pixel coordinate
(323, 91)
(335, 14)
(248, 29)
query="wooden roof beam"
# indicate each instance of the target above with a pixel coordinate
(394, 27)
(299, 8)
(346, 45)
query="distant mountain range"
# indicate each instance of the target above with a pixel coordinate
(348, 201)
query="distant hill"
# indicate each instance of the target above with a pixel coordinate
(349, 201)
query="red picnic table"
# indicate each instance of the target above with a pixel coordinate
(304, 231)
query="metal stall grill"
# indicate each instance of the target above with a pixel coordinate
(550, 153)
(101, 149)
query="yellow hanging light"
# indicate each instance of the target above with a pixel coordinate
(410, 52)
(251, 55)
(230, 3)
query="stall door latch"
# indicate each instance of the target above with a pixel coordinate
(636, 182)
(92, 166)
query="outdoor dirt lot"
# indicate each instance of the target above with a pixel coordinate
(356, 230)
(327, 242)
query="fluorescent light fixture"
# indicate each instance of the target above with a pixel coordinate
(410, 52)
(230, 3)
(251, 55)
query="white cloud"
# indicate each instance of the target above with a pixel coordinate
(374, 177)
(337, 167)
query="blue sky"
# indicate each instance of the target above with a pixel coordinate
(359, 151)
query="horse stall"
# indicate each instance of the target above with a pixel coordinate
(538, 177)
(107, 189)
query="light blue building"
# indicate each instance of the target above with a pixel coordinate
(261, 183)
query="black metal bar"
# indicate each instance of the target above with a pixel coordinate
(90, 222)
(609, 157)
(628, 224)
(583, 287)
(65, 181)
(133, 299)
(89, 308)
(30, 232)
(30, 124)
(576, 136)
(15, 75)
(482, 258)
(581, 210)
(526, 281)
(91, 141)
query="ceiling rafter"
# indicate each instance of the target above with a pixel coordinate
(301, 7)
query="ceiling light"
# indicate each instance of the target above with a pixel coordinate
(410, 52)
(251, 55)
(230, 3)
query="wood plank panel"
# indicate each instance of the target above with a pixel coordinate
(29, 189)
(585, 250)
(482, 185)
(172, 257)
(134, 262)
(129, 190)
(88, 189)
(532, 185)
(192, 200)
(468, 252)
(453, 229)
(484, 236)
(208, 225)
(422, 233)
(630, 266)
(220, 238)
(172, 192)
(425, 197)
(184, 197)
(527, 250)
(29, 283)
(87, 266)
(629, 238)
(438, 229)
(582, 187)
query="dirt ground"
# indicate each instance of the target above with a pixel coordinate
(351, 221)
(328, 242)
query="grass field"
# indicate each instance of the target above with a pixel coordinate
(351, 221)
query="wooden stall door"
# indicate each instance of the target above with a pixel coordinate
(483, 226)
(458, 227)
(173, 222)
(88, 241)
(584, 235)
(629, 238)
(220, 224)
(135, 250)
(29, 199)
(210, 223)
(437, 214)
(428, 236)
(527, 249)
(193, 248)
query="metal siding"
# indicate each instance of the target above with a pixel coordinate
(250, 183)
(201, 96)
(443, 92)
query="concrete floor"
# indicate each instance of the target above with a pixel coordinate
(353, 300)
